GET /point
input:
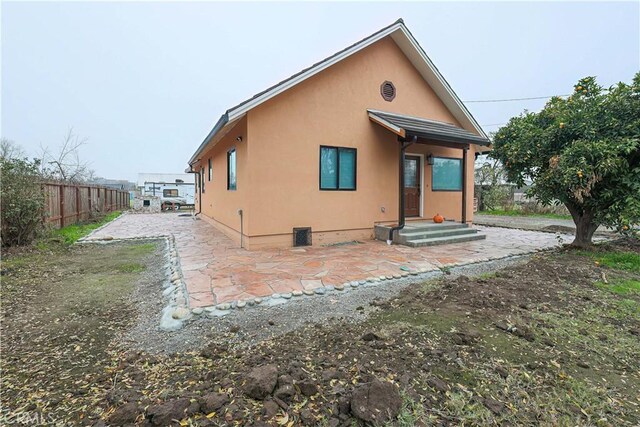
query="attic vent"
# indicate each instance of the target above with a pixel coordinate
(302, 236)
(388, 91)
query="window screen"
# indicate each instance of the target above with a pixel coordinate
(337, 168)
(447, 174)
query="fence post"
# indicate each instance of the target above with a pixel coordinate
(61, 188)
(78, 218)
(89, 191)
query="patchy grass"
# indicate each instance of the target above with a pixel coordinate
(60, 311)
(516, 212)
(628, 261)
(133, 267)
(72, 233)
(411, 414)
(621, 287)
(142, 249)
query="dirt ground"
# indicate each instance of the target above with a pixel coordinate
(552, 341)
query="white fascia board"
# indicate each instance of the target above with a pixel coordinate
(410, 46)
(395, 129)
(311, 72)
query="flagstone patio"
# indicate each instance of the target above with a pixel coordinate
(216, 271)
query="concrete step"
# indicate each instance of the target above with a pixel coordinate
(406, 236)
(426, 226)
(445, 240)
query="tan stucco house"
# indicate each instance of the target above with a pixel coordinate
(372, 135)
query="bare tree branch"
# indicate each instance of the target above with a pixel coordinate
(10, 150)
(66, 164)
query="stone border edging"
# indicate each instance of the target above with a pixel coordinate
(223, 309)
(176, 312)
(95, 230)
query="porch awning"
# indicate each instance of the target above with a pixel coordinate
(409, 126)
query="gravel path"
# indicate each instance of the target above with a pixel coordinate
(246, 327)
(534, 223)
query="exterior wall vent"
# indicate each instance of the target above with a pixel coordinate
(388, 91)
(302, 236)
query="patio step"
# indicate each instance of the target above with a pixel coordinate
(430, 234)
(430, 226)
(407, 236)
(433, 241)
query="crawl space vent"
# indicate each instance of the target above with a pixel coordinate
(302, 236)
(388, 91)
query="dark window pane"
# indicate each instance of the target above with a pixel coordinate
(447, 174)
(231, 170)
(328, 168)
(347, 174)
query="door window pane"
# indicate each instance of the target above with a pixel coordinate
(347, 175)
(410, 173)
(328, 168)
(447, 174)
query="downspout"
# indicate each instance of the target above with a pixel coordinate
(401, 219)
(241, 226)
(199, 193)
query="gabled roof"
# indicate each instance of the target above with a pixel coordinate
(405, 41)
(408, 126)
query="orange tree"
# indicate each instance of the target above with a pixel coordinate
(583, 152)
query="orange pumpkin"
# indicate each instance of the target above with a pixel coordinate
(438, 219)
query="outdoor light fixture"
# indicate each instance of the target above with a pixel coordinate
(430, 159)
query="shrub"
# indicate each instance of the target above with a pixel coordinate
(22, 200)
(496, 197)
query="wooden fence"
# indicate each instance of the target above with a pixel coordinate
(70, 203)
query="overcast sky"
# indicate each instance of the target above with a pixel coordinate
(145, 82)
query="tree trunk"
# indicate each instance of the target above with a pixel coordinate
(585, 227)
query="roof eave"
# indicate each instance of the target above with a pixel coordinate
(436, 136)
(242, 108)
(440, 79)
(393, 30)
(222, 121)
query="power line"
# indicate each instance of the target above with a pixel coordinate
(514, 99)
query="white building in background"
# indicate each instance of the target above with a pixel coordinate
(167, 185)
